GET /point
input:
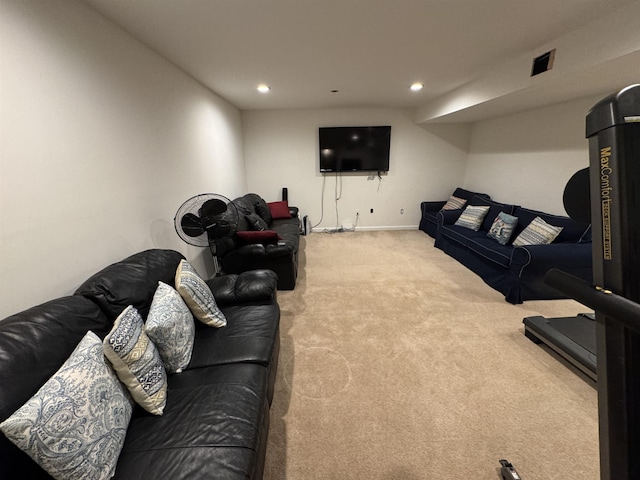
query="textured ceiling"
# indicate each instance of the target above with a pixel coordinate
(368, 50)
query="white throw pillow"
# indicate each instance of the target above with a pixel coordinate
(197, 295)
(137, 361)
(170, 326)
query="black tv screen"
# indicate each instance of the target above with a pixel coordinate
(354, 149)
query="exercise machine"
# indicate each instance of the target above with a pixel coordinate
(573, 338)
(613, 130)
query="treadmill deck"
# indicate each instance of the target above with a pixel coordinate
(573, 338)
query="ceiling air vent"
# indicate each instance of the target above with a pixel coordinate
(543, 63)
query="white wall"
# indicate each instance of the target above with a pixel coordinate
(101, 140)
(527, 158)
(281, 150)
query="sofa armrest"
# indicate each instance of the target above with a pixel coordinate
(432, 206)
(448, 217)
(258, 250)
(253, 286)
(566, 256)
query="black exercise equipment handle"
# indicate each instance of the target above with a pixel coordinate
(603, 301)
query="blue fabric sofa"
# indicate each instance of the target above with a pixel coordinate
(516, 272)
(429, 210)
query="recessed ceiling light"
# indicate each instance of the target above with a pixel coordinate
(416, 87)
(262, 88)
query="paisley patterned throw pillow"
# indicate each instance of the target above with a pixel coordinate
(170, 326)
(74, 426)
(137, 361)
(197, 295)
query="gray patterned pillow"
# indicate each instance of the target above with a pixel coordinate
(472, 217)
(74, 426)
(538, 232)
(197, 295)
(170, 326)
(137, 361)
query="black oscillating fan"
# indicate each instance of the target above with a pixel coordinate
(205, 219)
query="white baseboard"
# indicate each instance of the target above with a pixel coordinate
(370, 229)
(396, 227)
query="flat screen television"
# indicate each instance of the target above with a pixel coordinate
(354, 149)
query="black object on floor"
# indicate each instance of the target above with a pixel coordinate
(507, 472)
(573, 338)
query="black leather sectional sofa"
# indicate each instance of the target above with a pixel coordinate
(216, 418)
(278, 252)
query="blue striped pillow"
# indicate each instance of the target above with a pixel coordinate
(472, 217)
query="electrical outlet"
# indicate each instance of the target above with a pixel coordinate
(371, 211)
(402, 211)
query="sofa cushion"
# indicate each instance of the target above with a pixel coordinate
(491, 250)
(28, 358)
(502, 228)
(75, 425)
(248, 337)
(132, 281)
(494, 209)
(255, 222)
(279, 209)
(170, 326)
(251, 287)
(472, 217)
(197, 295)
(264, 236)
(459, 234)
(137, 361)
(467, 194)
(538, 232)
(210, 428)
(259, 206)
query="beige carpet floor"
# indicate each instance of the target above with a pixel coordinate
(399, 363)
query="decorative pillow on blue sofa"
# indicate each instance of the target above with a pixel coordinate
(502, 228)
(75, 425)
(538, 232)
(170, 326)
(454, 203)
(136, 361)
(472, 217)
